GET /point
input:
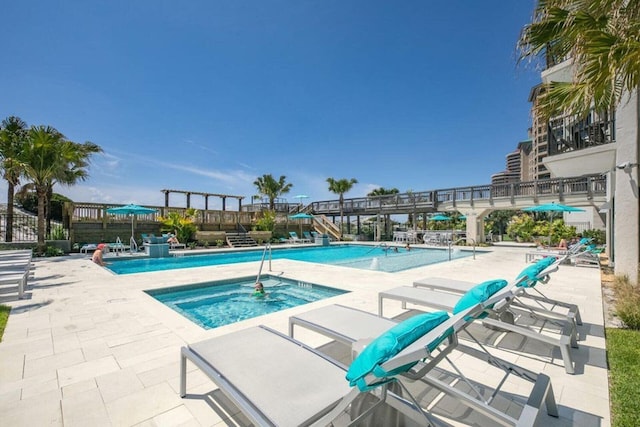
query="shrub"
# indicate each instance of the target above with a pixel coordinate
(219, 242)
(52, 251)
(598, 236)
(627, 302)
(267, 222)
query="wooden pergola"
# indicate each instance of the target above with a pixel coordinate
(206, 198)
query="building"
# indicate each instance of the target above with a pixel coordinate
(603, 142)
(517, 163)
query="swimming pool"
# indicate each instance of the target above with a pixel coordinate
(220, 303)
(366, 257)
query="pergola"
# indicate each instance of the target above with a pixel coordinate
(206, 198)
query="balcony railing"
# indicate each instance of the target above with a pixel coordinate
(566, 135)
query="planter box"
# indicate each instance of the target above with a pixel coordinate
(260, 236)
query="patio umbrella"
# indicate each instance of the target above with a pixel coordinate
(551, 208)
(132, 210)
(439, 217)
(301, 216)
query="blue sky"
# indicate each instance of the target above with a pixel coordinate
(208, 95)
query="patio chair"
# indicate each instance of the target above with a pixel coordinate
(307, 235)
(293, 238)
(590, 256)
(290, 383)
(502, 317)
(531, 299)
(353, 327)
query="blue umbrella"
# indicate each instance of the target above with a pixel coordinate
(551, 208)
(132, 210)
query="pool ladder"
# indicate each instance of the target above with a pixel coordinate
(264, 255)
(382, 245)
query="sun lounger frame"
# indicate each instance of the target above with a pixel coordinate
(541, 394)
(446, 301)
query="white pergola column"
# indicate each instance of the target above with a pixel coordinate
(475, 225)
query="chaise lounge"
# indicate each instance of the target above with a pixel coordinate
(289, 383)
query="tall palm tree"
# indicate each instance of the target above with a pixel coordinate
(12, 137)
(267, 186)
(340, 187)
(602, 37)
(49, 158)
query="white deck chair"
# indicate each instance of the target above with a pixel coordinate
(501, 317)
(532, 300)
(353, 328)
(288, 383)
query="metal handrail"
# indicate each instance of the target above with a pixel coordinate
(461, 239)
(379, 245)
(264, 254)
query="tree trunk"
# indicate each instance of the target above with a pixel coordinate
(47, 212)
(9, 225)
(42, 195)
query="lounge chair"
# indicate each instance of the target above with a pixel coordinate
(308, 236)
(590, 256)
(293, 238)
(353, 328)
(502, 316)
(565, 254)
(88, 247)
(289, 383)
(531, 299)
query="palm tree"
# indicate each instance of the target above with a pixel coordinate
(601, 37)
(270, 188)
(384, 192)
(12, 136)
(49, 158)
(340, 187)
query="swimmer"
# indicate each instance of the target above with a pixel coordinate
(258, 290)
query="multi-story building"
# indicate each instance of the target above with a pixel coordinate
(604, 142)
(517, 166)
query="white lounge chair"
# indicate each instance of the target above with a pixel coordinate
(293, 238)
(501, 317)
(288, 383)
(531, 299)
(353, 328)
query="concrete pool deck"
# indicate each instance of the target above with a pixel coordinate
(88, 347)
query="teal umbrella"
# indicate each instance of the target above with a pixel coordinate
(551, 208)
(301, 215)
(132, 210)
(439, 217)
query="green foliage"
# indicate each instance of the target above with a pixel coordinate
(521, 227)
(598, 236)
(4, 317)
(267, 221)
(183, 226)
(192, 245)
(52, 251)
(627, 302)
(58, 233)
(623, 354)
(219, 242)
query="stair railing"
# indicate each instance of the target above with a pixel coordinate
(264, 255)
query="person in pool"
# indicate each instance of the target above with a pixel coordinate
(258, 290)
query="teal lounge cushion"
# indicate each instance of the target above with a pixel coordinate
(533, 271)
(388, 345)
(478, 294)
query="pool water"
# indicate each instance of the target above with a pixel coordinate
(355, 256)
(215, 304)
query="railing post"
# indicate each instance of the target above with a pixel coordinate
(512, 190)
(561, 189)
(590, 181)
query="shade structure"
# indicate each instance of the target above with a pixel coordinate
(301, 215)
(132, 210)
(462, 217)
(551, 208)
(439, 217)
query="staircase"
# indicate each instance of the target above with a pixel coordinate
(322, 225)
(240, 240)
